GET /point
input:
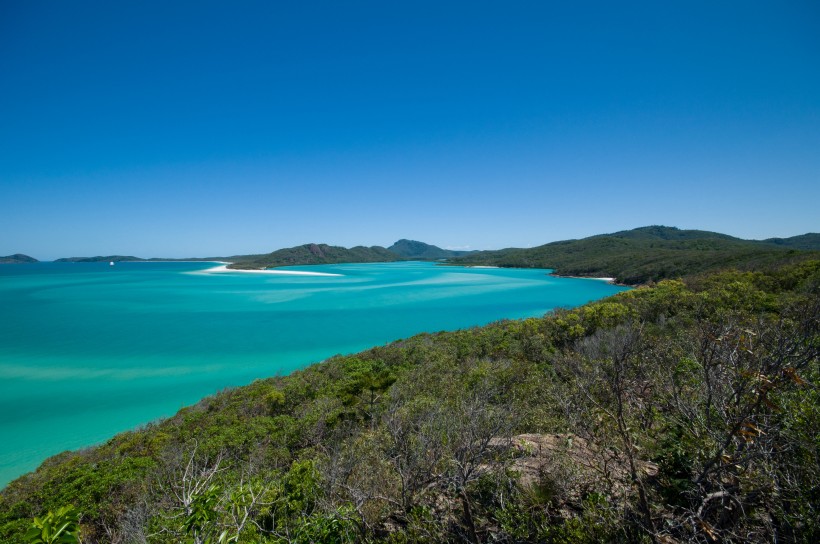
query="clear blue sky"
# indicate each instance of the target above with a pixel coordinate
(209, 128)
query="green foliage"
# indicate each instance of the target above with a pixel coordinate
(59, 527)
(597, 523)
(337, 527)
(202, 512)
(301, 487)
(675, 467)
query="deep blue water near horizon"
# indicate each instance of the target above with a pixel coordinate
(88, 350)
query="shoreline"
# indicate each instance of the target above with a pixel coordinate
(223, 269)
(610, 281)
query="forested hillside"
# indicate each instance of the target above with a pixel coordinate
(412, 249)
(683, 412)
(646, 254)
(315, 254)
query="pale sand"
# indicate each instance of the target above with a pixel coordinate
(224, 269)
(608, 280)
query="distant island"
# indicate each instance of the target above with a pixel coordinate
(98, 259)
(131, 258)
(17, 258)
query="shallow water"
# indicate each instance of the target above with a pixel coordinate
(88, 350)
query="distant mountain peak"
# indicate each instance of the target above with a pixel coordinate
(413, 249)
(662, 232)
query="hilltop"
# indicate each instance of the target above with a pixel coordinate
(412, 249)
(651, 253)
(17, 258)
(804, 241)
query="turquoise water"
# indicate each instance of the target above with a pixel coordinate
(88, 350)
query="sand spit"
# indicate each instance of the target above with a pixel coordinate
(223, 269)
(608, 280)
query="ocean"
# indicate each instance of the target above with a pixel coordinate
(88, 349)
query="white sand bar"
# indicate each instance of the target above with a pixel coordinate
(608, 280)
(223, 269)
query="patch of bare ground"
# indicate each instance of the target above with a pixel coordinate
(568, 467)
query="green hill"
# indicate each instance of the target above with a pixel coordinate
(315, 254)
(17, 258)
(412, 249)
(658, 232)
(683, 412)
(645, 254)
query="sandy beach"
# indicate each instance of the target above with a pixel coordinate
(223, 268)
(608, 280)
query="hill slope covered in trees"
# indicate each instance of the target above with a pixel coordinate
(412, 249)
(804, 241)
(685, 411)
(316, 254)
(649, 254)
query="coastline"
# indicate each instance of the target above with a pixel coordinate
(610, 281)
(223, 269)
